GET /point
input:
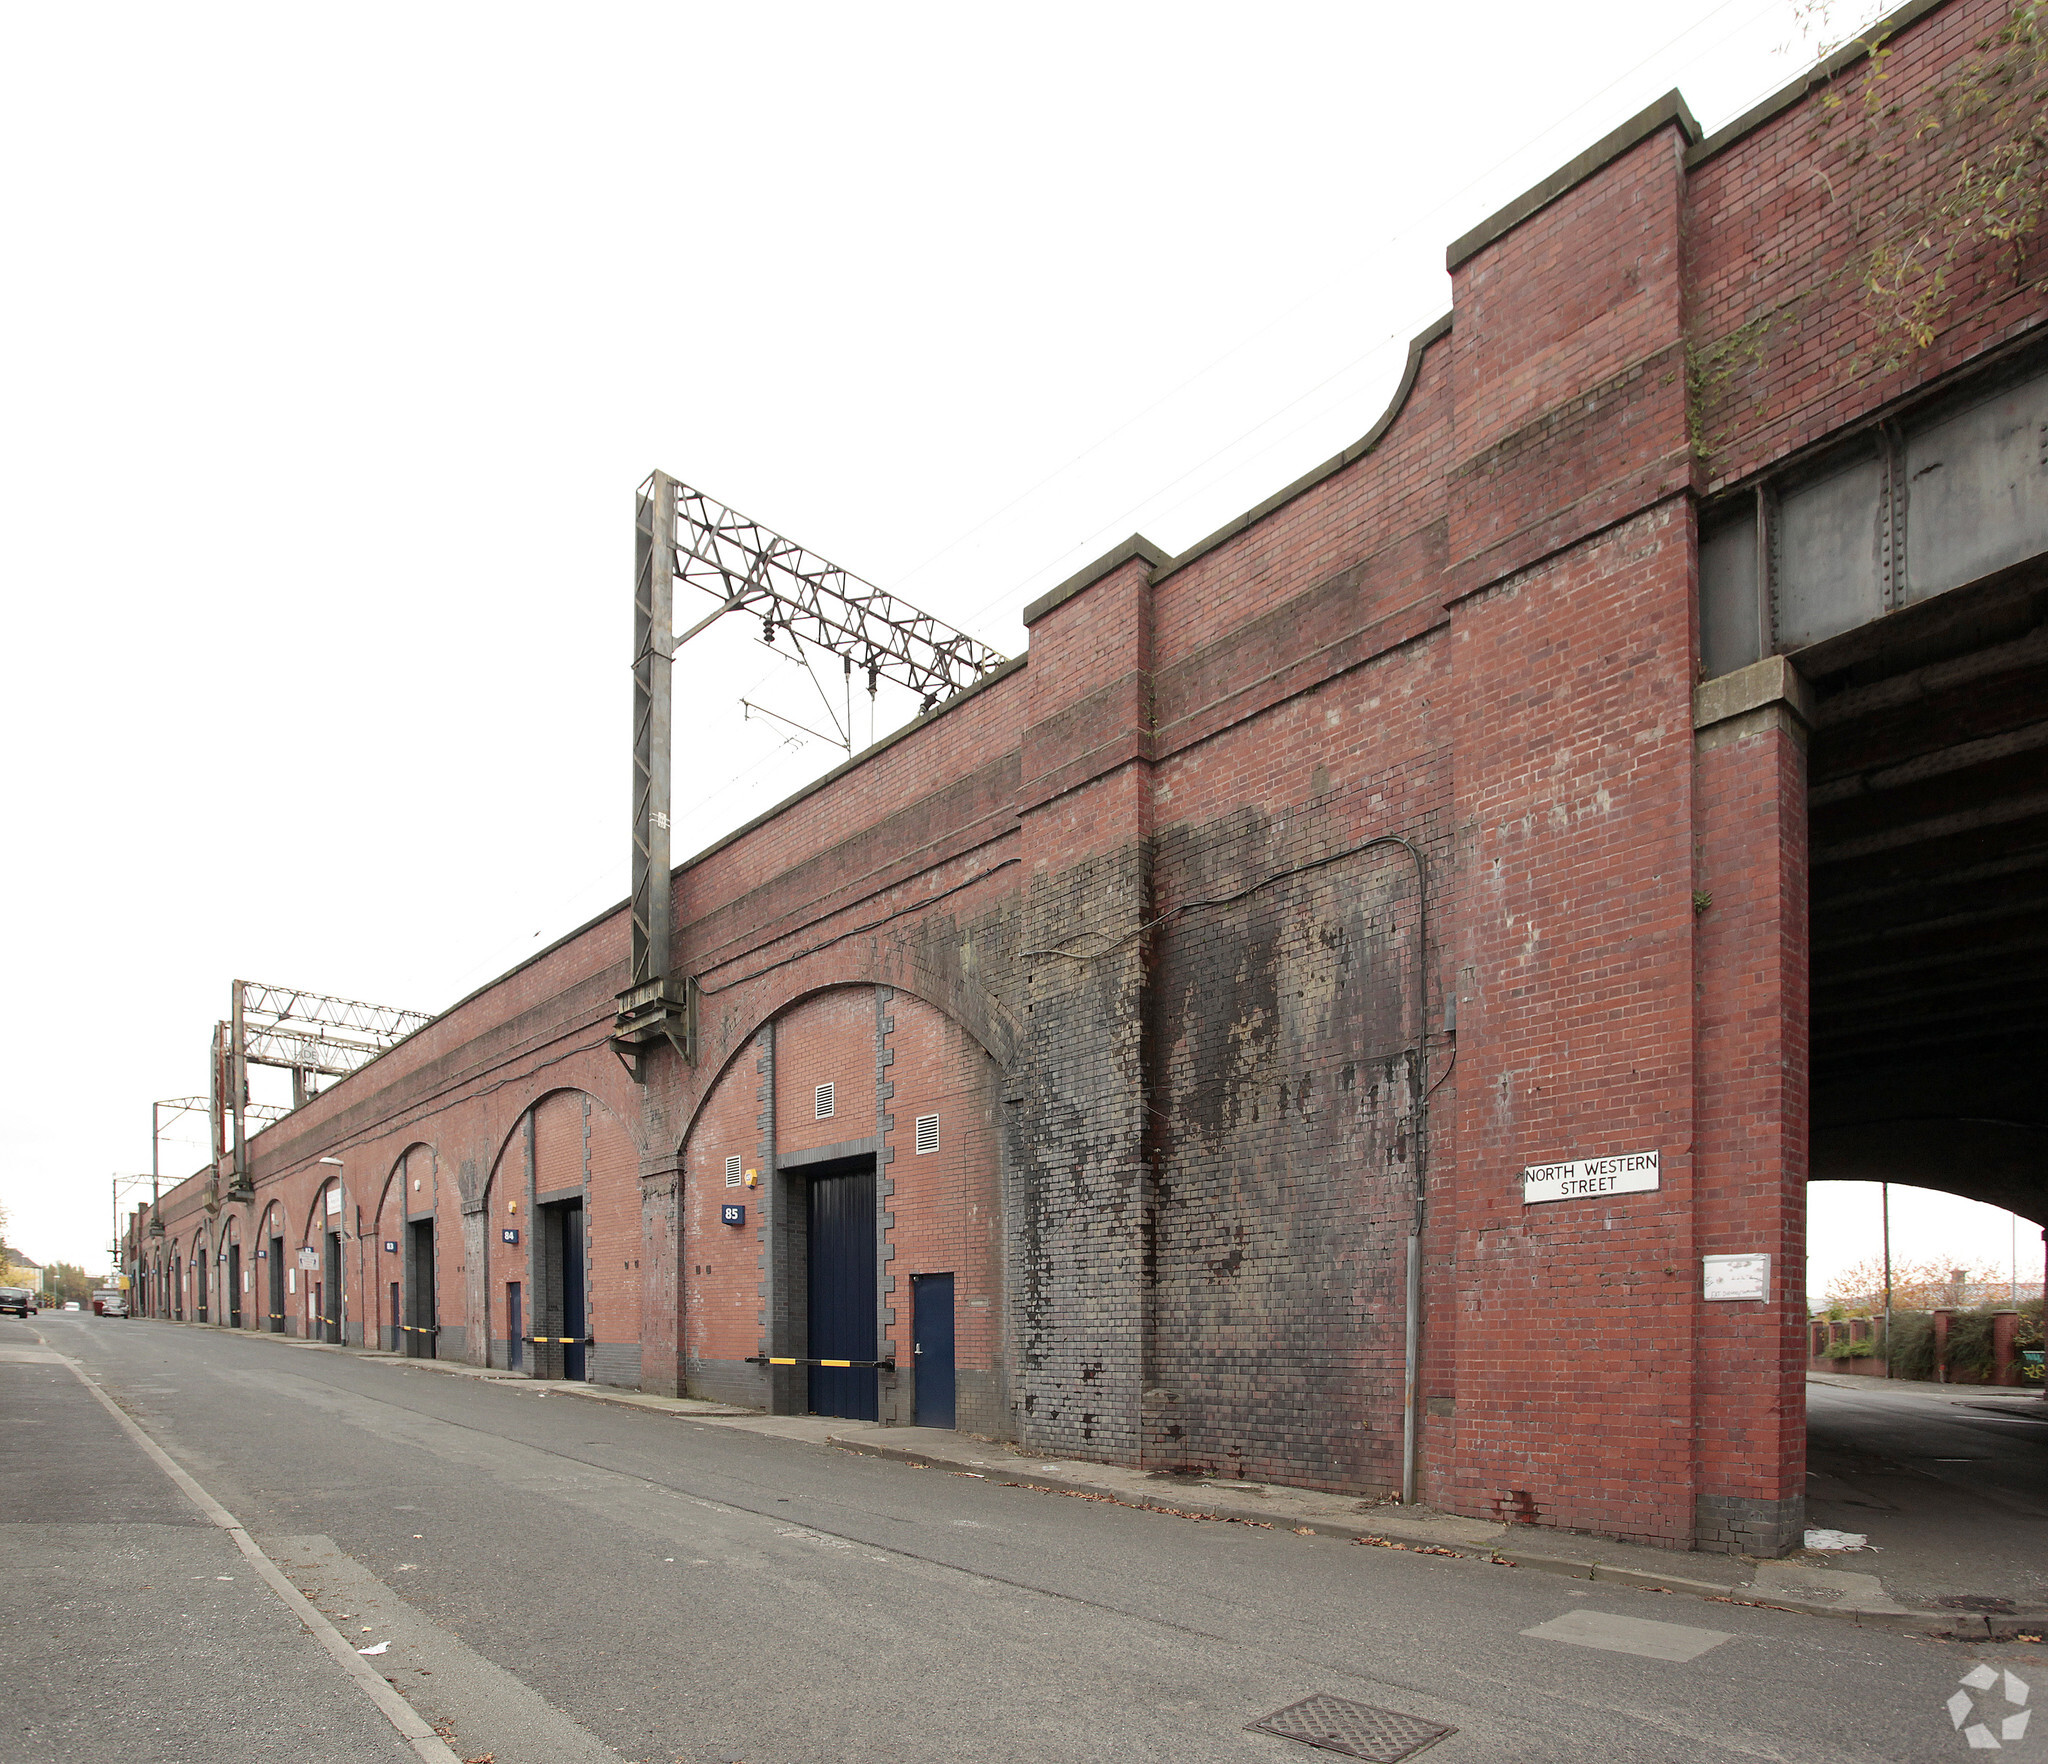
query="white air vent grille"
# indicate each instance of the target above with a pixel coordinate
(927, 1133)
(732, 1172)
(824, 1101)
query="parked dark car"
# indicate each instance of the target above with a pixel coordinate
(17, 1299)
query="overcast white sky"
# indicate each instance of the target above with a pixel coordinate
(338, 338)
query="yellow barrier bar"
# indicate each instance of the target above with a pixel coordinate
(775, 1362)
(835, 1362)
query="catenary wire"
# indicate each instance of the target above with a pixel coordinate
(1023, 583)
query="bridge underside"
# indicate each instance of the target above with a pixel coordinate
(1928, 786)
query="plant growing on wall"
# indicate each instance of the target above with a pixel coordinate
(1930, 181)
(1982, 140)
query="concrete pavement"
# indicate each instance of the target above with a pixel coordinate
(558, 1576)
(114, 1580)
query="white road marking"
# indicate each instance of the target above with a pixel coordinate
(1629, 1635)
(426, 1744)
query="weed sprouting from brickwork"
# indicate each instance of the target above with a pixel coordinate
(1712, 367)
(1912, 207)
(1972, 162)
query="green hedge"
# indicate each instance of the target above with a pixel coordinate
(1969, 1341)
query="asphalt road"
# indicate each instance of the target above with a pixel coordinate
(1952, 1487)
(559, 1579)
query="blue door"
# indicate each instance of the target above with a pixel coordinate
(573, 1325)
(931, 1328)
(421, 1331)
(842, 1292)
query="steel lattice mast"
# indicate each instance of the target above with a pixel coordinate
(312, 1035)
(682, 535)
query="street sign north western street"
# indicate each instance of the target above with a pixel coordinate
(1582, 1178)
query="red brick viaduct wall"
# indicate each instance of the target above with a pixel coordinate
(1139, 920)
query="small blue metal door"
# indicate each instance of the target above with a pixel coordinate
(573, 1326)
(842, 1292)
(421, 1319)
(932, 1347)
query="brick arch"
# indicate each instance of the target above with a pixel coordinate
(402, 1172)
(986, 1020)
(508, 1140)
(311, 1227)
(271, 1222)
(199, 1272)
(567, 1137)
(376, 1270)
(230, 1233)
(892, 1055)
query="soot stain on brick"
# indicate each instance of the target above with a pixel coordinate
(1082, 1212)
(1278, 1227)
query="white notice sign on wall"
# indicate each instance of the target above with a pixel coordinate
(1736, 1277)
(1582, 1178)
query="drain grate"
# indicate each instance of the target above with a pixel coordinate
(1358, 1730)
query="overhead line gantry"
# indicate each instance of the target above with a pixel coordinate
(683, 536)
(312, 1035)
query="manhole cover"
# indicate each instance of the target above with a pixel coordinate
(1358, 1730)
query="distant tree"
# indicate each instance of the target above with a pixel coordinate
(1916, 1286)
(68, 1281)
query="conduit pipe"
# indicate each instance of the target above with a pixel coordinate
(1411, 1321)
(1411, 1332)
